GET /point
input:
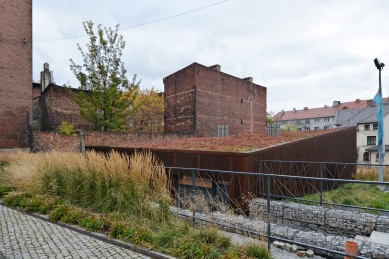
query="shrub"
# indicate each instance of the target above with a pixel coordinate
(67, 129)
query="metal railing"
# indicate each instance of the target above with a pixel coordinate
(232, 189)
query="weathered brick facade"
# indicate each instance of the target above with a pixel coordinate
(199, 98)
(15, 72)
(55, 105)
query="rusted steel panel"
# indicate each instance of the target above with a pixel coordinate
(334, 146)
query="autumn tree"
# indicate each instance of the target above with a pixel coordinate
(108, 94)
(149, 111)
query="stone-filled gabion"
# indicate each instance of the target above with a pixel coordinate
(257, 228)
(307, 217)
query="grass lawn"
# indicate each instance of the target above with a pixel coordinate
(362, 195)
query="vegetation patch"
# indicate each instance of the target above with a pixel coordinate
(234, 143)
(357, 194)
(116, 195)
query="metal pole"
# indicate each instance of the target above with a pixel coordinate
(321, 185)
(193, 192)
(259, 179)
(380, 175)
(268, 212)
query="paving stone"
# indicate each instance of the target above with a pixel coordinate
(23, 236)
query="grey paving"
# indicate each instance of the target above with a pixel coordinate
(23, 236)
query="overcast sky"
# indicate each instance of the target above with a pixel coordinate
(307, 53)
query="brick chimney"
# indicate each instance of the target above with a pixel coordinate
(215, 67)
(250, 79)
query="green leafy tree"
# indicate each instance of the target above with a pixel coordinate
(107, 93)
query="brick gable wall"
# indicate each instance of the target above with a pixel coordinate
(199, 98)
(54, 106)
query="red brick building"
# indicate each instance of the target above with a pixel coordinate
(15, 73)
(206, 101)
(55, 105)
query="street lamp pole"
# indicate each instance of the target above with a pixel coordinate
(378, 99)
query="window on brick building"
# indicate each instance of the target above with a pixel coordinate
(223, 131)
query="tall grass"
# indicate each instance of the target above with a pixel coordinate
(123, 190)
(103, 182)
(371, 173)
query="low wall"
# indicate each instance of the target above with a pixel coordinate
(332, 221)
(46, 141)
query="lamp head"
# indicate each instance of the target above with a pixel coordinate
(378, 64)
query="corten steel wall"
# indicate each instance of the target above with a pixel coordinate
(199, 98)
(15, 72)
(333, 146)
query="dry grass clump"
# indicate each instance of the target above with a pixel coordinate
(115, 194)
(367, 173)
(104, 182)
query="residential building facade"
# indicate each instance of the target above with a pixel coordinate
(322, 118)
(366, 125)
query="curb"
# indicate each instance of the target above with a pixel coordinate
(98, 236)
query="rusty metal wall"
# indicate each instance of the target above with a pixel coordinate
(333, 146)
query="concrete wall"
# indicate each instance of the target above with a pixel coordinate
(15, 72)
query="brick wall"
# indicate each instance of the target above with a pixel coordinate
(46, 141)
(54, 106)
(36, 90)
(180, 97)
(15, 72)
(199, 98)
(223, 99)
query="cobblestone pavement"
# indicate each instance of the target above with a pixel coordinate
(23, 236)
